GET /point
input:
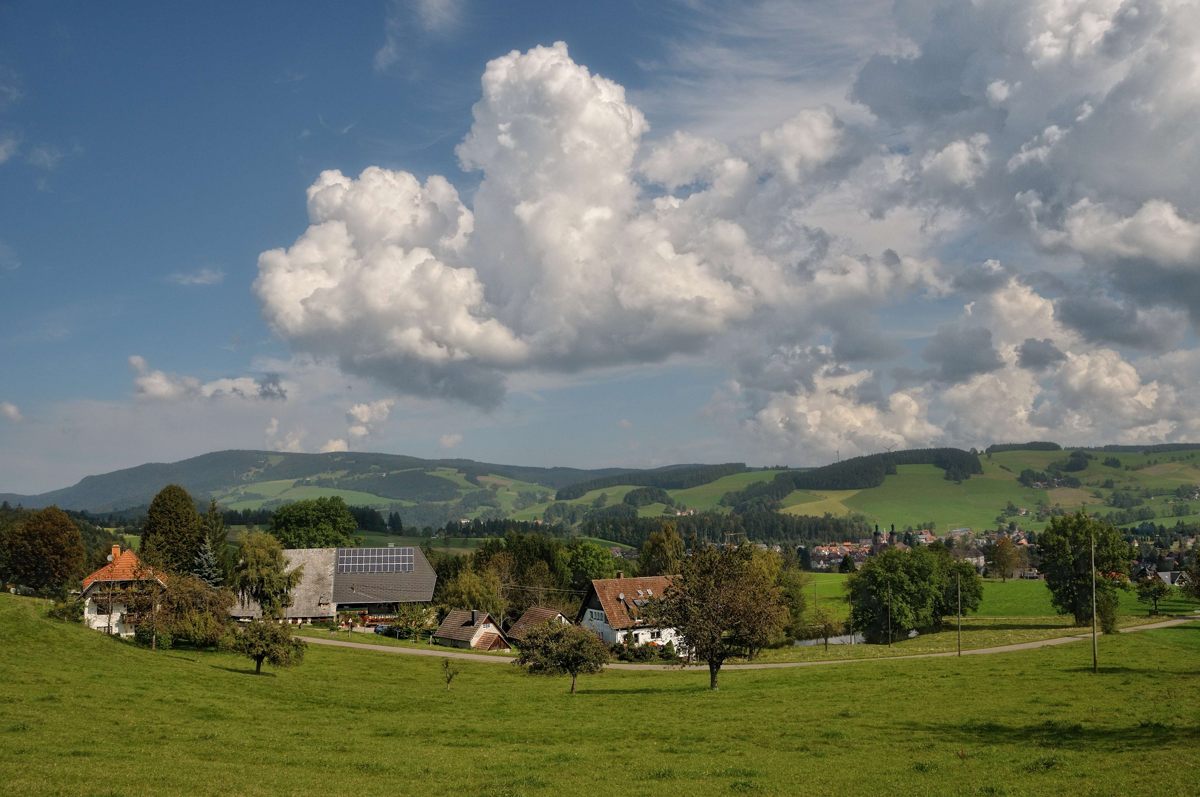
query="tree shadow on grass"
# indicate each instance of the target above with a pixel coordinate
(1063, 733)
(1067, 630)
(1153, 672)
(241, 671)
(641, 690)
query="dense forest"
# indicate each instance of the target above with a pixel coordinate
(1035, 445)
(674, 477)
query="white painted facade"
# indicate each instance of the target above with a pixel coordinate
(597, 621)
(96, 618)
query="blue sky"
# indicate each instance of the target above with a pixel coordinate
(768, 232)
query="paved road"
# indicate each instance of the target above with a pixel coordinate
(775, 665)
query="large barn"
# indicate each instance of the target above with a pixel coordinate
(371, 580)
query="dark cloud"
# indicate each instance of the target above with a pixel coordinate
(982, 277)
(1102, 320)
(958, 352)
(861, 340)
(270, 386)
(1038, 355)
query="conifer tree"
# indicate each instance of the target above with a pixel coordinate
(172, 534)
(213, 525)
(207, 568)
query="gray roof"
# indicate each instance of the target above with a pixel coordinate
(313, 596)
(415, 586)
(322, 588)
(458, 625)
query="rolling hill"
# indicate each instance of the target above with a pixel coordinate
(945, 487)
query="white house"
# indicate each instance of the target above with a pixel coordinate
(613, 608)
(105, 592)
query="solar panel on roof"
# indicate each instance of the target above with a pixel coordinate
(375, 560)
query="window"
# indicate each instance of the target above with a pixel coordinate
(656, 634)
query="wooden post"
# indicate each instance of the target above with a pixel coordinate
(958, 582)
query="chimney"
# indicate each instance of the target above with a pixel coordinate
(116, 552)
(474, 617)
(620, 574)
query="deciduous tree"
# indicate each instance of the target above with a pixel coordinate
(45, 552)
(1152, 590)
(1004, 557)
(588, 561)
(1065, 549)
(267, 640)
(823, 624)
(1191, 584)
(472, 590)
(316, 523)
(720, 605)
(261, 574)
(662, 553)
(900, 590)
(556, 649)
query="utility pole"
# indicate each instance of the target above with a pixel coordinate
(958, 583)
(889, 612)
(1095, 645)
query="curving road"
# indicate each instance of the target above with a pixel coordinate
(775, 665)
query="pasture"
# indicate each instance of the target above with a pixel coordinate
(83, 714)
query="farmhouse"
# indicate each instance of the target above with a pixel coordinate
(370, 580)
(472, 629)
(106, 592)
(613, 608)
(533, 617)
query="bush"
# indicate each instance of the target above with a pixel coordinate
(143, 634)
(668, 653)
(68, 611)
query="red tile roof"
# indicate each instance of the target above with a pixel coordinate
(125, 566)
(623, 598)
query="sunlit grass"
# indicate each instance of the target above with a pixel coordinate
(82, 714)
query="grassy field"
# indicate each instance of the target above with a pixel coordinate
(83, 714)
(916, 494)
(707, 496)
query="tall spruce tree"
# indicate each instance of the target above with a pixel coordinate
(213, 525)
(206, 567)
(172, 534)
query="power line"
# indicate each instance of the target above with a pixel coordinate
(545, 589)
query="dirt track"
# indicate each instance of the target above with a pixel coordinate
(778, 665)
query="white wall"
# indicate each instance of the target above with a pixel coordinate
(100, 622)
(596, 621)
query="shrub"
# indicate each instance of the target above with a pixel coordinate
(68, 611)
(144, 635)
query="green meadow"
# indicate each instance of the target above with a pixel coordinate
(84, 714)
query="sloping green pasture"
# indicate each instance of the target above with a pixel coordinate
(83, 714)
